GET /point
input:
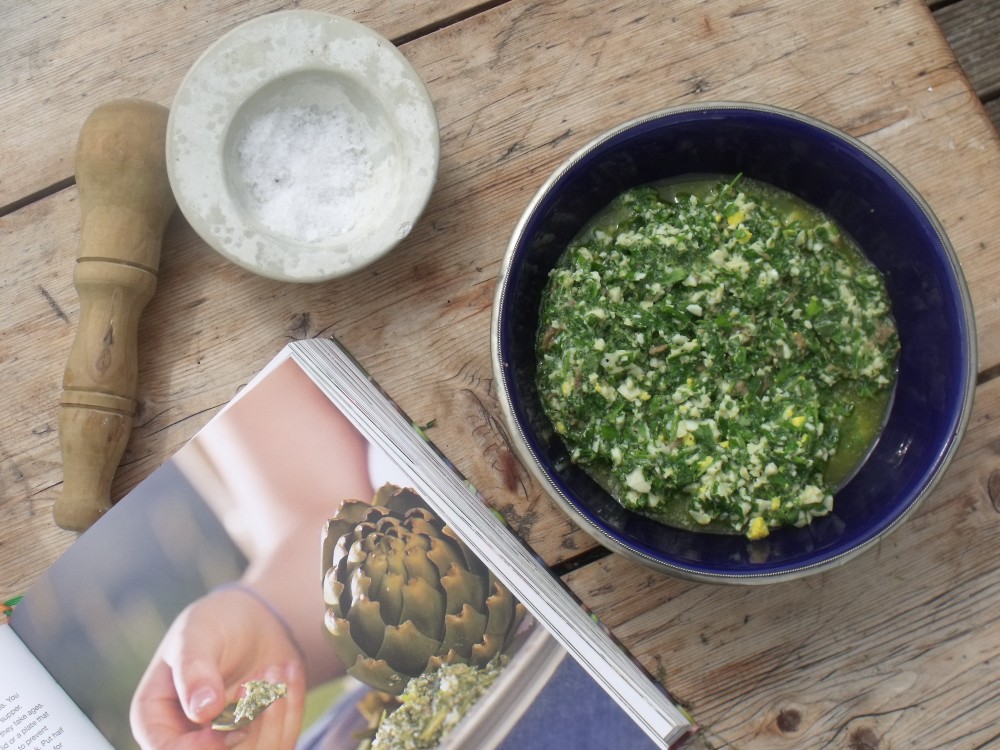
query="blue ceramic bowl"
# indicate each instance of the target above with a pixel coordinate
(892, 225)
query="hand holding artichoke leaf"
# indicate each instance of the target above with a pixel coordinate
(404, 594)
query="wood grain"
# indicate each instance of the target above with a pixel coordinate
(63, 58)
(972, 28)
(892, 650)
(515, 88)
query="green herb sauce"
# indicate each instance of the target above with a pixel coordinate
(433, 704)
(717, 354)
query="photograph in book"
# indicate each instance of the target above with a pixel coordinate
(295, 577)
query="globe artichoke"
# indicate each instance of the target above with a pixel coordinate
(404, 594)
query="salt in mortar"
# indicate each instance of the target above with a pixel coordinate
(311, 172)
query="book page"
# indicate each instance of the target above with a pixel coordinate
(34, 713)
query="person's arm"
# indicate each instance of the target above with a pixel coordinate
(283, 459)
(274, 467)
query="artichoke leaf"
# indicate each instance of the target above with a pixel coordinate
(398, 499)
(387, 533)
(347, 516)
(486, 649)
(367, 625)
(371, 568)
(450, 657)
(462, 587)
(406, 649)
(384, 495)
(416, 562)
(333, 589)
(339, 634)
(423, 522)
(367, 541)
(359, 587)
(499, 609)
(504, 611)
(394, 547)
(442, 553)
(342, 551)
(378, 674)
(468, 558)
(463, 630)
(423, 605)
(389, 594)
(361, 542)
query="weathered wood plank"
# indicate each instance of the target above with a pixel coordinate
(897, 648)
(518, 88)
(993, 111)
(972, 28)
(907, 625)
(63, 58)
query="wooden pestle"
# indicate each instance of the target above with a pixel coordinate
(126, 201)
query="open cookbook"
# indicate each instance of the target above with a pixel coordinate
(310, 572)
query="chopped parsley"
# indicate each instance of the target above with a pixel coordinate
(717, 354)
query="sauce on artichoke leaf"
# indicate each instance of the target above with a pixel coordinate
(717, 354)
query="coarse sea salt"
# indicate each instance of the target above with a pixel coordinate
(308, 170)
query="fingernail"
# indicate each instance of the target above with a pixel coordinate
(201, 699)
(274, 674)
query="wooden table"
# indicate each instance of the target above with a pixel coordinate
(896, 649)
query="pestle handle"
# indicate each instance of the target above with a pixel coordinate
(126, 202)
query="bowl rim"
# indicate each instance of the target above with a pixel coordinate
(195, 146)
(636, 552)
